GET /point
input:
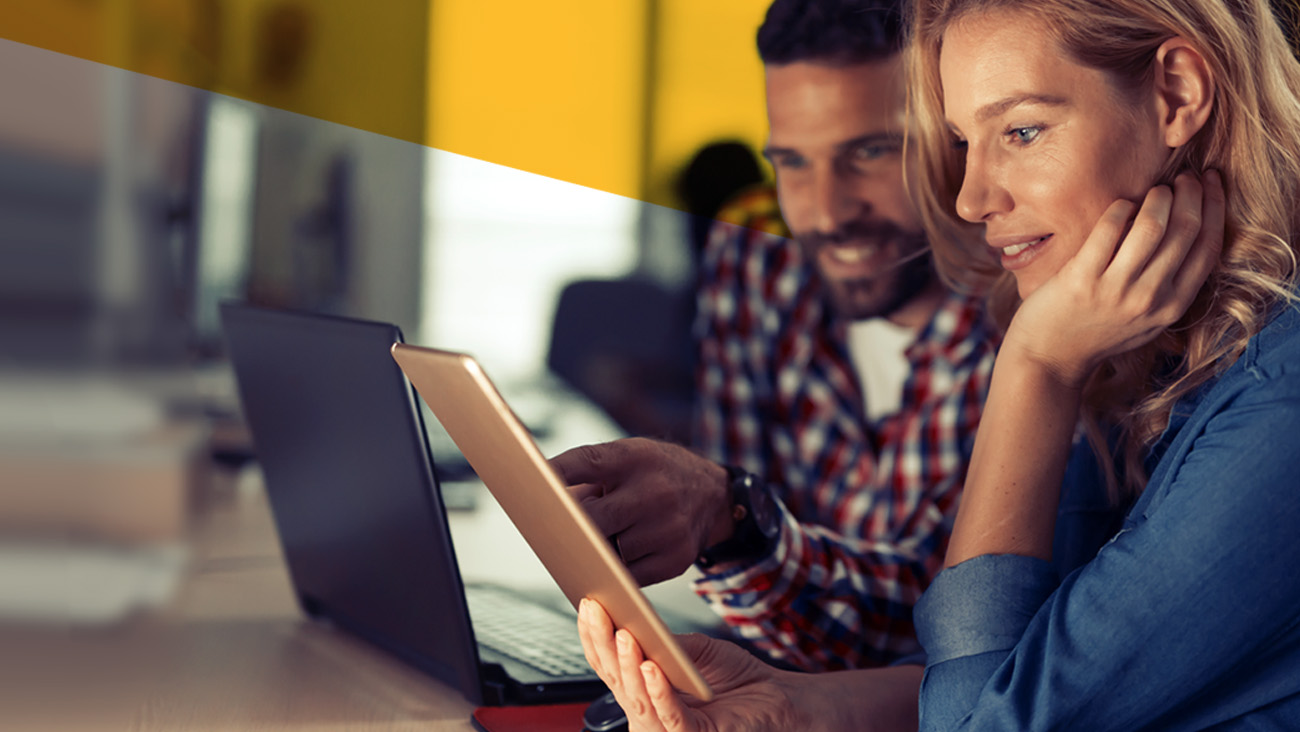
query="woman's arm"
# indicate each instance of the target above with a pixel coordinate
(1187, 619)
(1107, 300)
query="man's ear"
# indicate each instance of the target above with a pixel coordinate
(1184, 89)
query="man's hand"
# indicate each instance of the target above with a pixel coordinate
(662, 503)
(749, 696)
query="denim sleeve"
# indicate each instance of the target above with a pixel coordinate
(1186, 619)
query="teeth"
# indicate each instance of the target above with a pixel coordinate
(852, 255)
(1015, 249)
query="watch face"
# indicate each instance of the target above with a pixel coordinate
(763, 506)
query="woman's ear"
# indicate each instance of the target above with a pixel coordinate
(1184, 90)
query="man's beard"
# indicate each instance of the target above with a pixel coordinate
(885, 291)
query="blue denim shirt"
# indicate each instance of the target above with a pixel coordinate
(1187, 619)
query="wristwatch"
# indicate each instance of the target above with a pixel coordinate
(758, 521)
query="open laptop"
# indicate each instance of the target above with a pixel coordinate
(357, 506)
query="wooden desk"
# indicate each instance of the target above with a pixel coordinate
(231, 652)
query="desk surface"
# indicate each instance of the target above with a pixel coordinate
(230, 652)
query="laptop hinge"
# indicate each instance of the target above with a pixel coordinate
(496, 685)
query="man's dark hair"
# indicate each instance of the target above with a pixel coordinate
(832, 32)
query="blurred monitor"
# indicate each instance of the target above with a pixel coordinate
(221, 221)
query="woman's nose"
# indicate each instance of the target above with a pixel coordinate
(979, 196)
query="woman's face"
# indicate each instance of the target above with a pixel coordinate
(1049, 144)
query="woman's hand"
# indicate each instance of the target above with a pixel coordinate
(749, 694)
(1113, 296)
(1122, 290)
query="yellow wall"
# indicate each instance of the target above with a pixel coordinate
(560, 88)
(709, 84)
(556, 88)
(548, 87)
(360, 64)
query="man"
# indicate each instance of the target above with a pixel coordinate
(835, 370)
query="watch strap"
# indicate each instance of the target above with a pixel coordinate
(748, 539)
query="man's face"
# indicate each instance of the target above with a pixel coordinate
(836, 145)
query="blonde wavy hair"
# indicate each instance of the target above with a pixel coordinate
(1252, 137)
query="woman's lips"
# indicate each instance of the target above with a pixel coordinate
(1019, 255)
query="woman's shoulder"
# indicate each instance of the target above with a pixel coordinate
(1274, 352)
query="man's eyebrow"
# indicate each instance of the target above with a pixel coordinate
(874, 137)
(994, 109)
(770, 151)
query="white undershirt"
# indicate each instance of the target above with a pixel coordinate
(879, 351)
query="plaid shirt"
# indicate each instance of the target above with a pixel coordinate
(867, 509)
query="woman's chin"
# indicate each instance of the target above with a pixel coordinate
(1026, 286)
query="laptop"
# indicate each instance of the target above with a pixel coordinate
(357, 506)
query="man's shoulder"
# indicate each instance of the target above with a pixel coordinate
(756, 209)
(961, 329)
(750, 253)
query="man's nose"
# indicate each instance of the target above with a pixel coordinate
(833, 203)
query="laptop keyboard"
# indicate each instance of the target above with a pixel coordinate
(526, 631)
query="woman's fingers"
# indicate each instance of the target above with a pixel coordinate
(617, 659)
(1208, 246)
(596, 632)
(1169, 250)
(1146, 237)
(635, 701)
(667, 705)
(1098, 249)
(1181, 232)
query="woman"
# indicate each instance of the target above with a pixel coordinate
(1042, 127)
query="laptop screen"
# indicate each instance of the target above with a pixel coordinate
(351, 484)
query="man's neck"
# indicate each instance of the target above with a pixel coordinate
(918, 311)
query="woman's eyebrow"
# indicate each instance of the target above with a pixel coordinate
(995, 109)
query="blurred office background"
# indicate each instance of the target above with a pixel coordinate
(510, 179)
(286, 166)
(454, 167)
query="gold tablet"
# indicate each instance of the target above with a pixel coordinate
(506, 458)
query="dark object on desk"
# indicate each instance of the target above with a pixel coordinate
(357, 507)
(626, 346)
(604, 715)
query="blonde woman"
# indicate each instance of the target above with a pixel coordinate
(1124, 176)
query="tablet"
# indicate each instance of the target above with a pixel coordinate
(503, 453)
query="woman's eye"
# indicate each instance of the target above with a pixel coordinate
(1023, 135)
(958, 143)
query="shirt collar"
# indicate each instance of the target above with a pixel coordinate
(958, 327)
